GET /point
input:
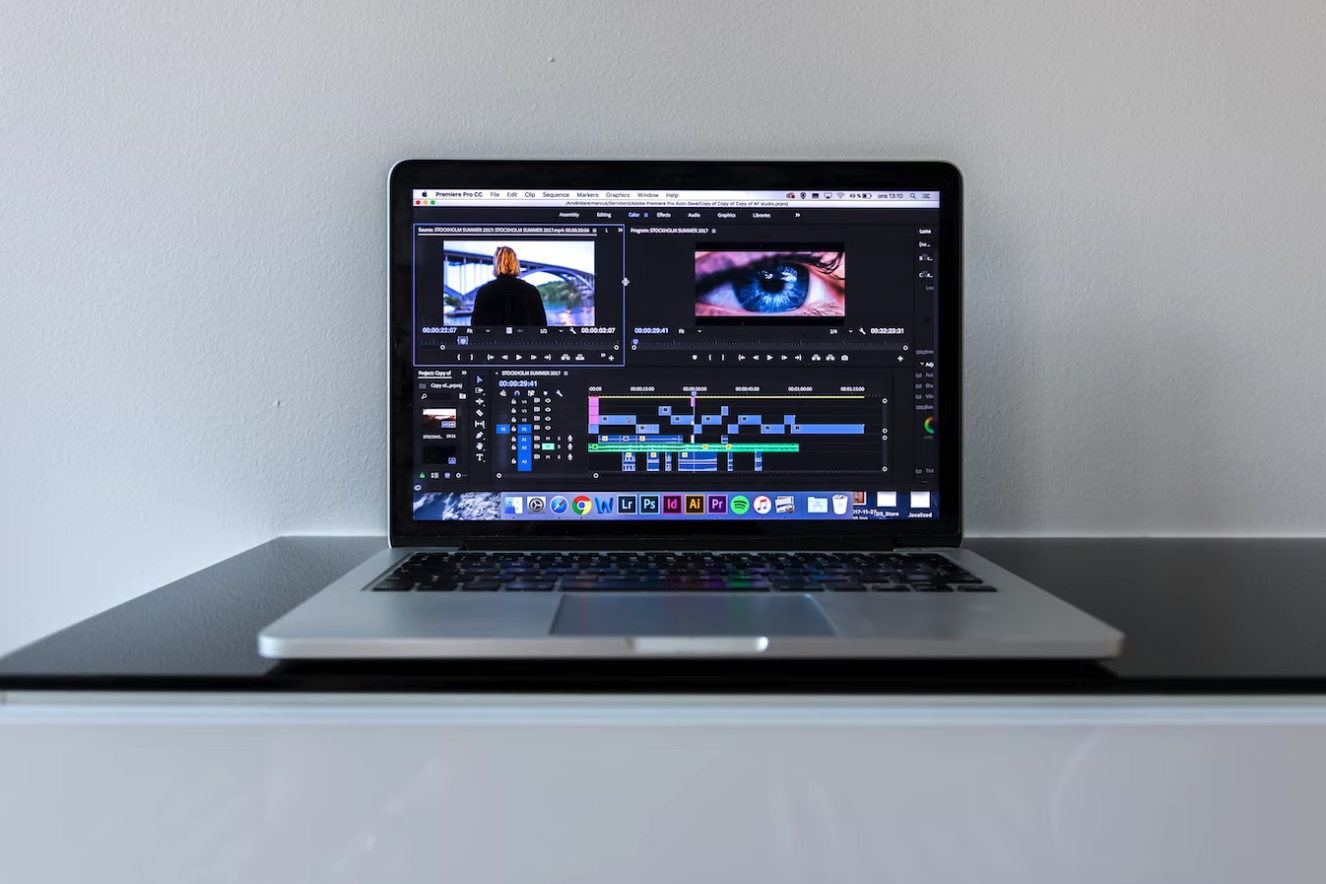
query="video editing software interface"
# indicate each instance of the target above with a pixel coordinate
(675, 355)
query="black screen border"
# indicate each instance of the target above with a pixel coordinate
(409, 175)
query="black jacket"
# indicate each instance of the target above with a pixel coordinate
(508, 301)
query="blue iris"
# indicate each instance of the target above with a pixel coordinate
(773, 288)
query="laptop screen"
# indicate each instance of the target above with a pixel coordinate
(674, 355)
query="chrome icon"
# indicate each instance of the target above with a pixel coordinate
(762, 504)
(738, 505)
(581, 505)
(558, 505)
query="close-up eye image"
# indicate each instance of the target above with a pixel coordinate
(792, 282)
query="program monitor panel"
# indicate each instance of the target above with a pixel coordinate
(674, 354)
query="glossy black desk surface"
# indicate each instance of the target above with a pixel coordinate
(1201, 617)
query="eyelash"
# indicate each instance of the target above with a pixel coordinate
(826, 263)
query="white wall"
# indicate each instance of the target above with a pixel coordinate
(192, 243)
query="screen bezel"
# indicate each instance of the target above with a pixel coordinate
(409, 175)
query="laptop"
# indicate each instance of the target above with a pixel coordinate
(661, 409)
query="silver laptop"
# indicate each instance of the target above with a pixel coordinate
(655, 409)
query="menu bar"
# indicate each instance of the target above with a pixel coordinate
(687, 198)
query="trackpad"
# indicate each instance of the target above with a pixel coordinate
(660, 614)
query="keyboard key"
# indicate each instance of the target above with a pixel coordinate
(978, 587)
(743, 584)
(577, 584)
(529, 586)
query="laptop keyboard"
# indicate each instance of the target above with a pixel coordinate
(679, 572)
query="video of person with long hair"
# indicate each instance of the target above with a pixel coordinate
(495, 282)
(771, 283)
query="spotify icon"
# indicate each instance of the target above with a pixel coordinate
(739, 505)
